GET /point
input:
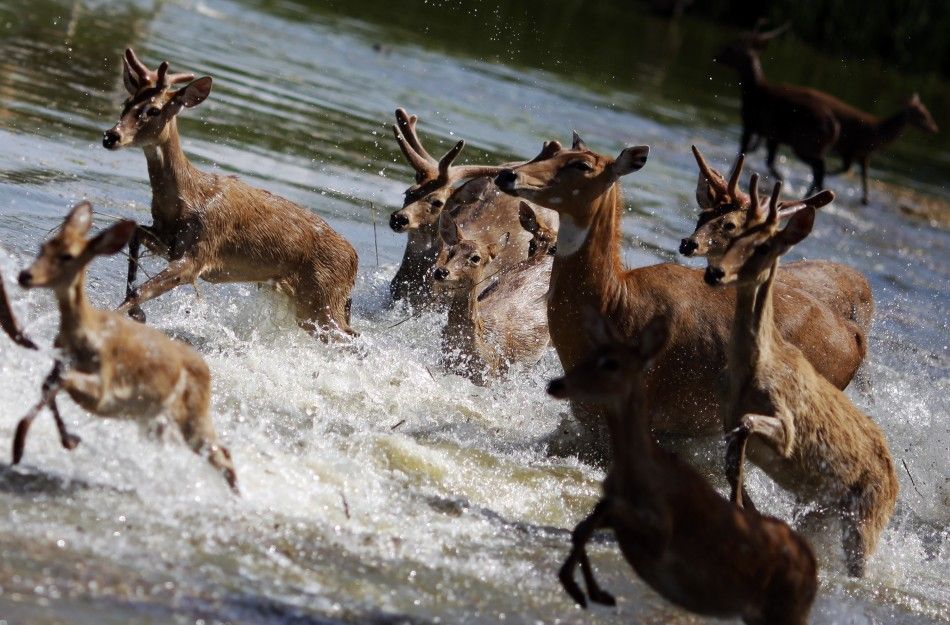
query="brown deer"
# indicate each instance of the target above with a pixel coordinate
(803, 431)
(724, 210)
(113, 366)
(779, 113)
(689, 544)
(495, 319)
(582, 186)
(216, 227)
(477, 206)
(9, 323)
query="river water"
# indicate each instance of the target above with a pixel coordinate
(377, 489)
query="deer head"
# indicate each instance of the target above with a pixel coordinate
(615, 365)
(65, 256)
(543, 239)
(569, 181)
(462, 261)
(742, 51)
(423, 201)
(919, 116)
(751, 254)
(152, 104)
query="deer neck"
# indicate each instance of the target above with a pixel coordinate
(890, 128)
(753, 330)
(75, 313)
(630, 436)
(464, 322)
(751, 76)
(174, 180)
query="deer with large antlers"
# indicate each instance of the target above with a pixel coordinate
(803, 431)
(218, 228)
(477, 207)
(583, 187)
(724, 210)
(113, 366)
(495, 319)
(689, 544)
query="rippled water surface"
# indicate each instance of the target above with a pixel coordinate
(376, 487)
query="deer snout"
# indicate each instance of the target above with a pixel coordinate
(557, 388)
(398, 221)
(506, 180)
(25, 278)
(440, 273)
(714, 275)
(688, 246)
(110, 139)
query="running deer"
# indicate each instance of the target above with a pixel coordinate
(779, 113)
(724, 211)
(803, 431)
(9, 323)
(495, 318)
(689, 544)
(216, 227)
(478, 207)
(113, 366)
(583, 187)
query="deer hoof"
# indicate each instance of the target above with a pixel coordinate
(601, 596)
(137, 313)
(71, 441)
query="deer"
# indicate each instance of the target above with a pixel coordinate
(477, 206)
(216, 227)
(490, 326)
(800, 429)
(9, 323)
(690, 545)
(111, 365)
(724, 210)
(583, 187)
(779, 113)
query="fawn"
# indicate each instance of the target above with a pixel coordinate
(216, 227)
(113, 366)
(802, 430)
(689, 544)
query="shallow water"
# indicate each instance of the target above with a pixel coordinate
(376, 488)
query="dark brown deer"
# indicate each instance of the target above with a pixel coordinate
(583, 187)
(781, 114)
(117, 368)
(689, 544)
(216, 227)
(803, 431)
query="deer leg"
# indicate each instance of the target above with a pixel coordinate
(746, 141)
(817, 174)
(864, 179)
(66, 439)
(578, 554)
(735, 467)
(865, 511)
(182, 271)
(135, 243)
(9, 324)
(52, 385)
(772, 147)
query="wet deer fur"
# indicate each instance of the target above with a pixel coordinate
(111, 365)
(800, 429)
(218, 228)
(588, 273)
(682, 538)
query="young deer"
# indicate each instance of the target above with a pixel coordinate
(583, 187)
(803, 431)
(689, 544)
(724, 211)
(782, 114)
(9, 323)
(493, 325)
(216, 227)
(115, 367)
(478, 207)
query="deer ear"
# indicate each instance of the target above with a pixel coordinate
(799, 226)
(79, 218)
(495, 248)
(527, 218)
(449, 230)
(653, 337)
(631, 159)
(112, 239)
(194, 93)
(601, 329)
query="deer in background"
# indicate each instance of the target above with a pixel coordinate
(216, 227)
(477, 207)
(490, 326)
(724, 210)
(689, 544)
(583, 187)
(113, 366)
(9, 323)
(800, 429)
(781, 114)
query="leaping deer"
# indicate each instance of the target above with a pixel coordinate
(804, 433)
(113, 366)
(218, 228)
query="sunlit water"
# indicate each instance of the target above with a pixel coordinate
(376, 488)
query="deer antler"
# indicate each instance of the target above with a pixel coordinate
(142, 76)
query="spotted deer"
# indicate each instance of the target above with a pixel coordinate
(682, 538)
(725, 209)
(495, 318)
(218, 228)
(112, 366)
(477, 207)
(583, 187)
(800, 429)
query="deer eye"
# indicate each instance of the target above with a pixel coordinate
(438, 203)
(729, 226)
(66, 257)
(152, 111)
(475, 259)
(581, 166)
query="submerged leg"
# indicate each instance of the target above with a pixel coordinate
(578, 554)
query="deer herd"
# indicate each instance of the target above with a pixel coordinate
(520, 256)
